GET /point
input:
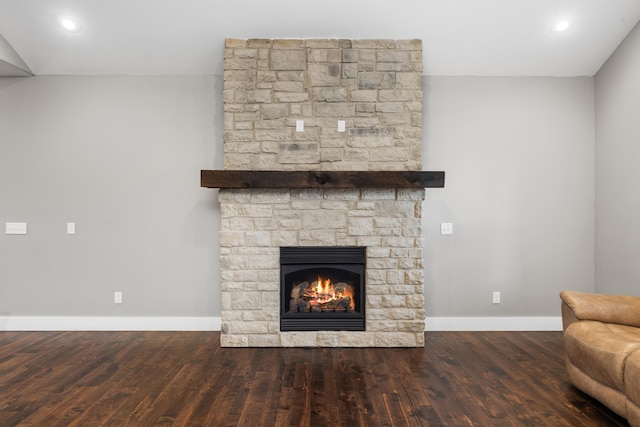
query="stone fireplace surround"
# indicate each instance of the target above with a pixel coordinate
(375, 87)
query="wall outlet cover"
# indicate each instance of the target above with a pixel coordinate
(446, 228)
(16, 228)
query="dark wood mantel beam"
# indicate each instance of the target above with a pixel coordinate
(320, 179)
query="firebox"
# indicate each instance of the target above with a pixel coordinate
(322, 288)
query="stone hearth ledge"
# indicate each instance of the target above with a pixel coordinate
(327, 339)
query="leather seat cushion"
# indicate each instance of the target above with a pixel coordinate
(601, 349)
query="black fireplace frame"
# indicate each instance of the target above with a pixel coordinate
(349, 258)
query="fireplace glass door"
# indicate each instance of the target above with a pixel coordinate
(322, 288)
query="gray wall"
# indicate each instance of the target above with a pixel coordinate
(518, 153)
(617, 107)
(120, 156)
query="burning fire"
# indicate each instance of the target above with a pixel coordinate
(323, 295)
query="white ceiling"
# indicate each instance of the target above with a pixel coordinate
(460, 37)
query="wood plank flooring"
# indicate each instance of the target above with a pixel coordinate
(186, 379)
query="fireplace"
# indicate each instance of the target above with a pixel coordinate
(322, 288)
(322, 159)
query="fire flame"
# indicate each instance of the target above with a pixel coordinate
(324, 292)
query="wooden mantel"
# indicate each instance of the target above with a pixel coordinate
(320, 179)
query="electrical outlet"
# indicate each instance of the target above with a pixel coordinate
(446, 228)
(496, 297)
(117, 297)
(16, 228)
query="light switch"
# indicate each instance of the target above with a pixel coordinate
(16, 228)
(71, 228)
(299, 125)
(341, 126)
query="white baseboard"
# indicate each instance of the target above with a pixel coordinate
(493, 324)
(8, 323)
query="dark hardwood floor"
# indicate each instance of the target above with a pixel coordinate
(186, 379)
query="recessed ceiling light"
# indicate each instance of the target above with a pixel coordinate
(561, 26)
(69, 24)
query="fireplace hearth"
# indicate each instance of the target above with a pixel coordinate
(322, 288)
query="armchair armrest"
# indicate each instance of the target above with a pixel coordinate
(620, 309)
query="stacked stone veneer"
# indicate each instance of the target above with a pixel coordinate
(374, 86)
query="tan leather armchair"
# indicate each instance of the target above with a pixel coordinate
(602, 343)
